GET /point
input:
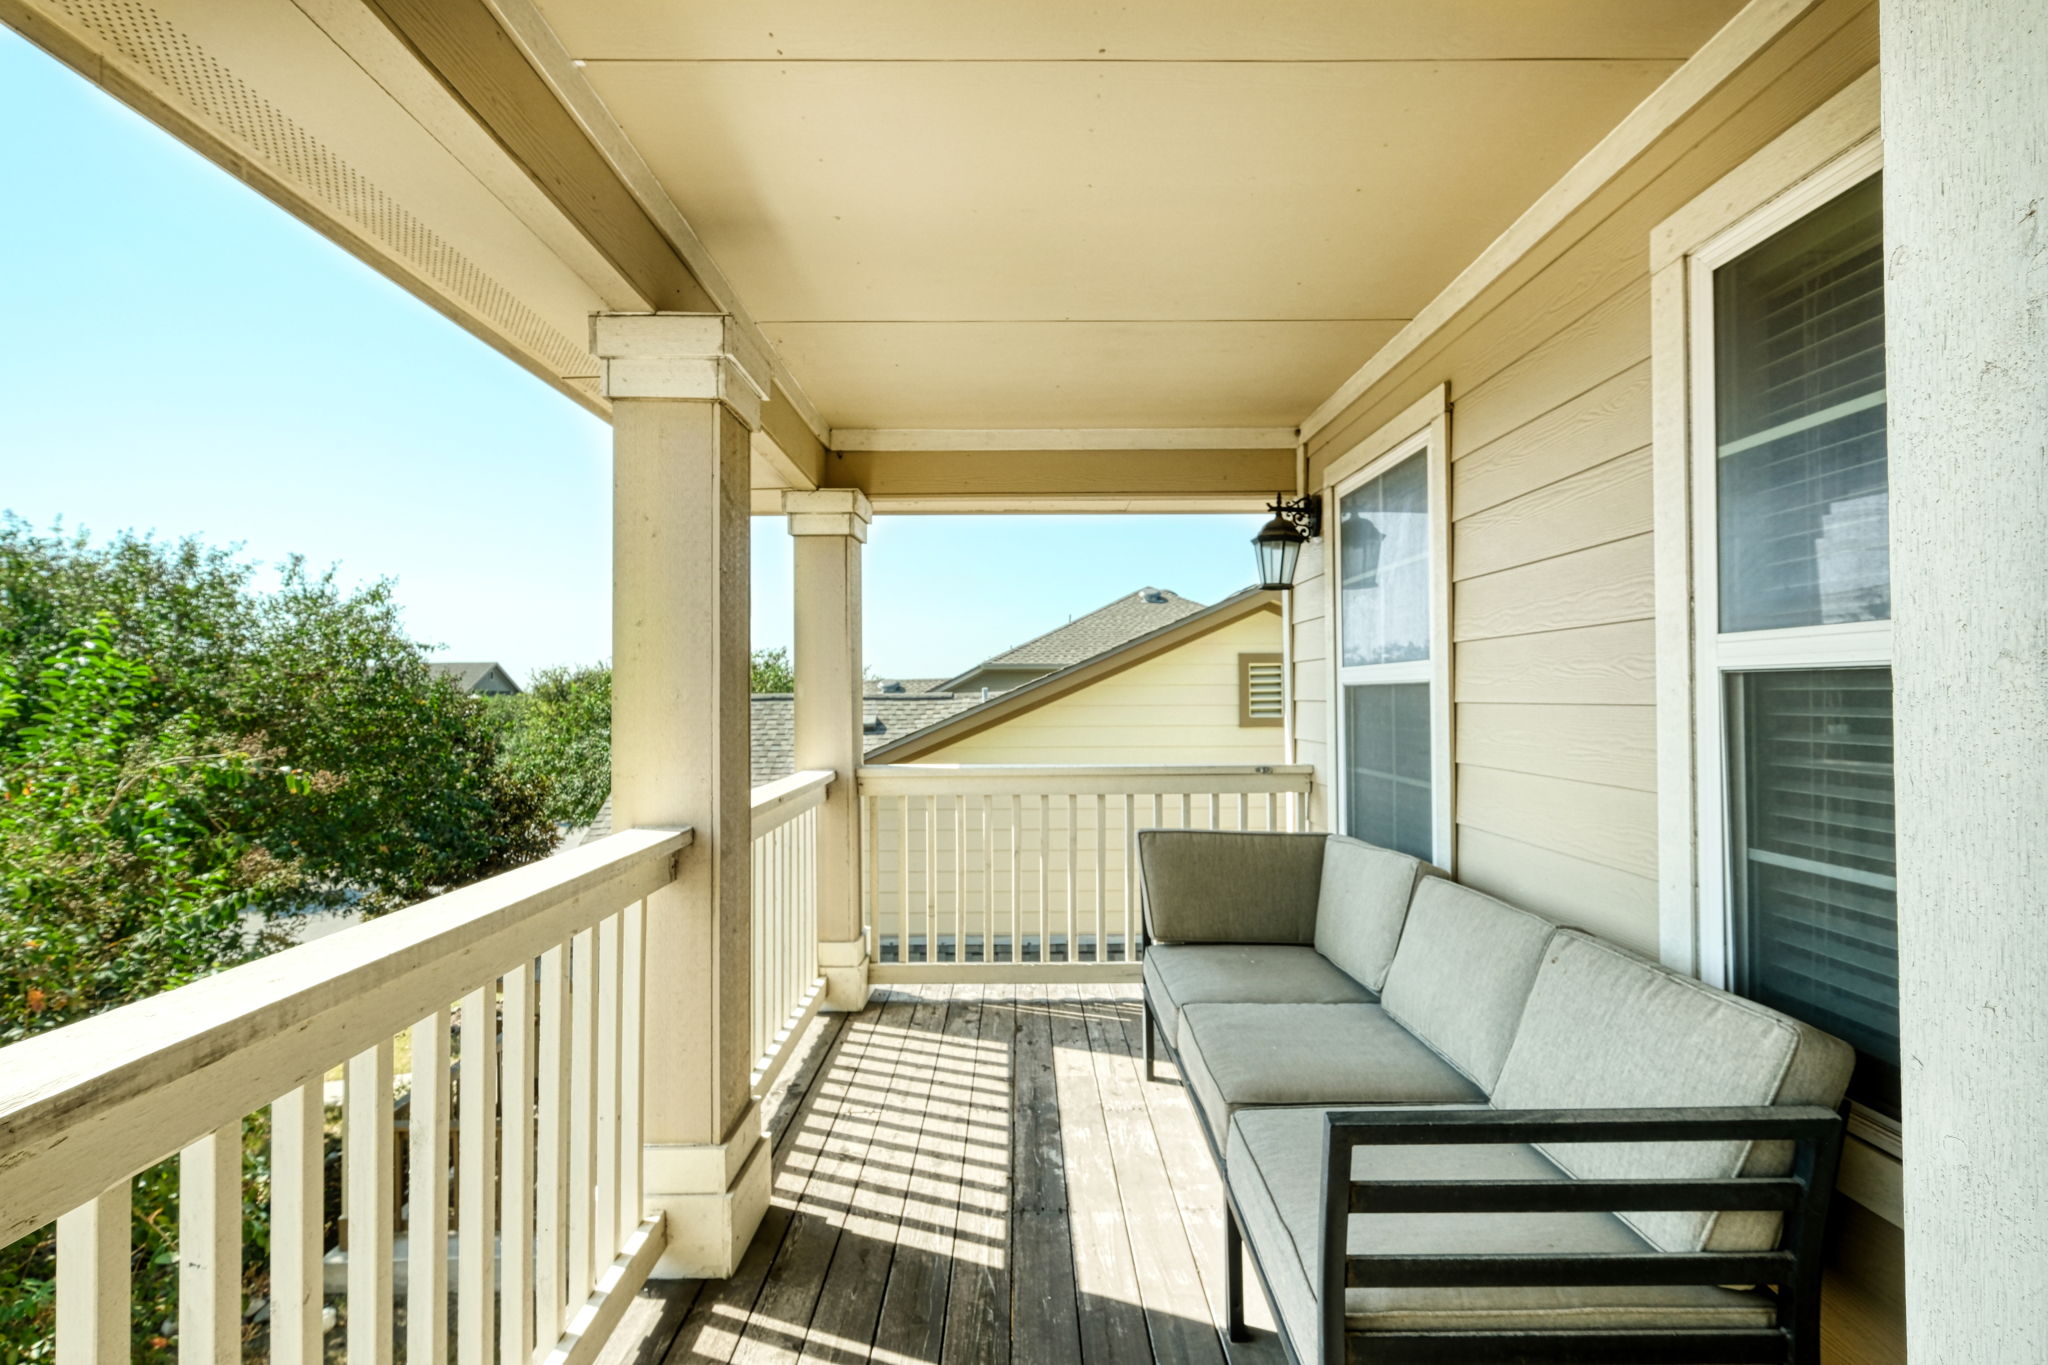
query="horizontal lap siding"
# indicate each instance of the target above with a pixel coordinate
(1180, 707)
(1310, 675)
(1554, 660)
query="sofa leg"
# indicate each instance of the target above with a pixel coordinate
(1151, 1052)
(1233, 1277)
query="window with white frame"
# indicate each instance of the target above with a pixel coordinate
(1392, 730)
(1793, 593)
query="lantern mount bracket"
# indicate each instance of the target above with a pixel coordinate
(1304, 514)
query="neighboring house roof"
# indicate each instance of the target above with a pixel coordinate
(1037, 692)
(899, 685)
(599, 826)
(888, 716)
(489, 679)
(1131, 616)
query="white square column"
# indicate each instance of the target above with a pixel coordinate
(830, 526)
(686, 393)
(1966, 354)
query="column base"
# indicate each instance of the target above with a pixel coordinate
(714, 1197)
(845, 969)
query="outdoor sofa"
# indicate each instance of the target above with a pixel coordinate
(1542, 1146)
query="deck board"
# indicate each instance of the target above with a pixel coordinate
(978, 1175)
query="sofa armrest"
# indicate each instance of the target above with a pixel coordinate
(1223, 886)
(1793, 1266)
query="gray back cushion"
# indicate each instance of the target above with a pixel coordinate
(1607, 1029)
(1213, 886)
(1364, 900)
(1463, 972)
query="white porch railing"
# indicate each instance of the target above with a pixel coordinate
(988, 870)
(787, 987)
(529, 983)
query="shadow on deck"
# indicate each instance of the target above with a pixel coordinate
(972, 1174)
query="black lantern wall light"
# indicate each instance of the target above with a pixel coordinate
(1296, 521)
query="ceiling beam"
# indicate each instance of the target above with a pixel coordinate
(1064, 480)
(1106, 438)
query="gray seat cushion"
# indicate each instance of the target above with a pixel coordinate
(1364, 899)
(1275, 1175)
(1181, 974)
(1607, 1029)
(1238, 1055)
(1463, 972)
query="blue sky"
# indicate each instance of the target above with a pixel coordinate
(178, 355)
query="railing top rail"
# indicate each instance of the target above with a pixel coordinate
(87, 1104)
(777, 803)
(1085, 779)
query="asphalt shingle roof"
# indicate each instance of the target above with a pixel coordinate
(1084, 637)
(888, 716)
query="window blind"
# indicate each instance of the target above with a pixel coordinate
(1387, 762)
(1800, 422)
(1816, 891)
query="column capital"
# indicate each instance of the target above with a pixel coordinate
(828, 512)
(703, 356)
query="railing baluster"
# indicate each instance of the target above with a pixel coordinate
(1101, 881)
(872, 808)
(903, 878)
(516, 1170)
(550, 1290)
(632, 1051)
(960, 878)
(988, 879)
(426, 1196)
(210, 1249)
(1016, 884)
(582, 1113)
(298, 1164)
(93, 1250)
(367, 1147)
(1074, 876)
(1130, 842)
(605, 1236)
(477, 1120)
(1044, 890)
(931, 878)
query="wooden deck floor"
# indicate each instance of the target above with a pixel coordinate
(977, 1174)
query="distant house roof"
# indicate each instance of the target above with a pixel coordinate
(980, 714)
(894, 686)
(1133, 615)
(485, 678)
(887, 715)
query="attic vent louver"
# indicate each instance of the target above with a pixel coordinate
(1152, 595)
(892, 687)
(871, 724)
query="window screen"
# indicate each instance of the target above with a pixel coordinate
(1387, 766)
(1383, 539)
(1816, 918)
(1800, 422)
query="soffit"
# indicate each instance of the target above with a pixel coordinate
(1064, 214)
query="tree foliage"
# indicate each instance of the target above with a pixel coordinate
(186, 762)
(399, 791)
(558, 733)
(772, 671)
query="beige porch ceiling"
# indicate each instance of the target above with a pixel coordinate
(1069, 214)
